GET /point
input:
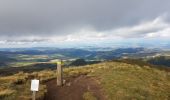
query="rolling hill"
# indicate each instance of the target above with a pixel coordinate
(25, 56)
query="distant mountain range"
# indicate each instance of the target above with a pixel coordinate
(10, 55)
(84, 53)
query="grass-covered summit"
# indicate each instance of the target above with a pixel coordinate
(118, 81)
(122, 81)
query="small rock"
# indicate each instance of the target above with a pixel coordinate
(68, 84)
(64, 81)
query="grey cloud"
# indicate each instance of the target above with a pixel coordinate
(60, 17)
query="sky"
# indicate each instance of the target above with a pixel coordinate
(75, 23)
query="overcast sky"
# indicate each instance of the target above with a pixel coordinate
(83, 22)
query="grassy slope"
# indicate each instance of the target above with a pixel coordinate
(127, 82)
(17, 86)
(122, 81)
(119, 81)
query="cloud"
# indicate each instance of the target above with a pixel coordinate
(156, 28)
(41, 17)
(39, 21)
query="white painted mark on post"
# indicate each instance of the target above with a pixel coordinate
(34, 85)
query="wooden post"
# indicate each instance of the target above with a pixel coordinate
(33, 95)
(59, 73)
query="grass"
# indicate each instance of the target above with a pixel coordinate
(7, 94)
(89, 96)
(17, 86)
(30, 57)
(21, 64)
(119, 81)
(123, 81)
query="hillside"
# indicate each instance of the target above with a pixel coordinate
(27, 56)
(160, 60)
(103, 81)
(125, 81)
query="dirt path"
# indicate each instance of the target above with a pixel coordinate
(74, 89)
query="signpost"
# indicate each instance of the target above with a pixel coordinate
(34, 87)
(59, 73)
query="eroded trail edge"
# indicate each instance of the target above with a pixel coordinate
(74, 89)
